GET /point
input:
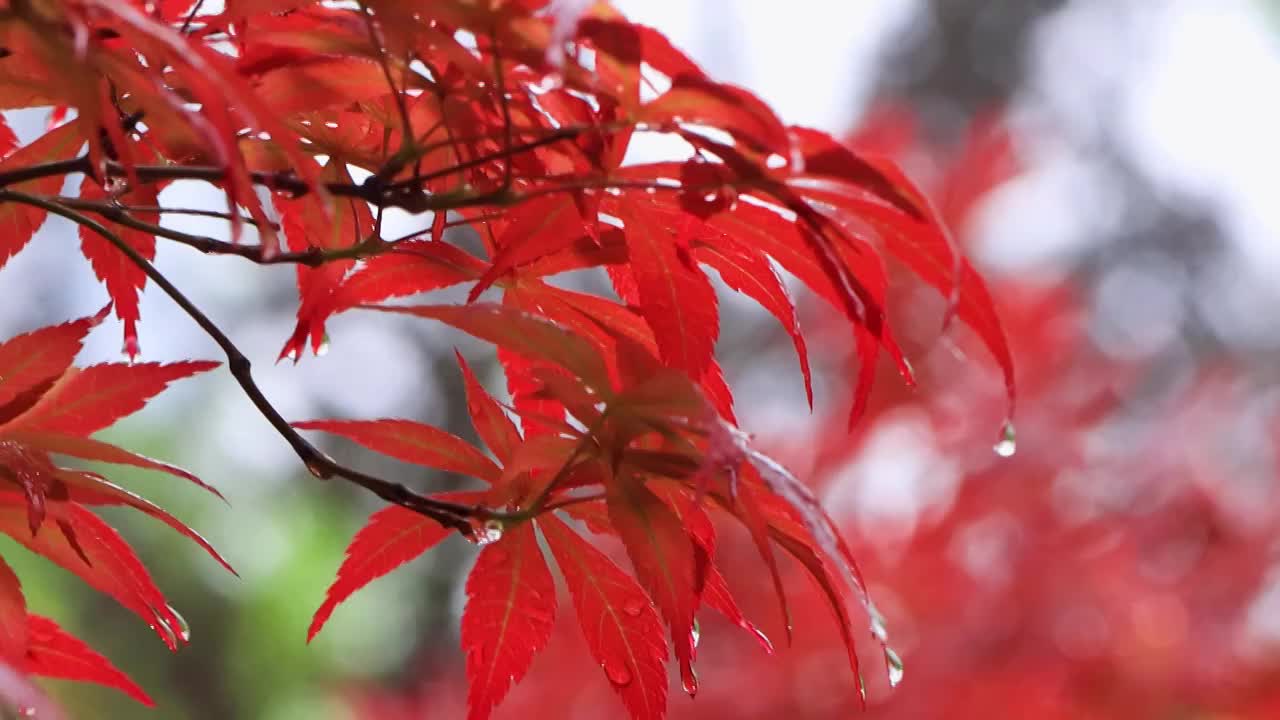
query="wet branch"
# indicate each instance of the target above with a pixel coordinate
(312, 257)
(449, 514)
(408, 194)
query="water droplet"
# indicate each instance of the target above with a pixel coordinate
(689, 679)
(765, 642)
(323, 348)
(489, 531)
(775, 161)
(26, 711)
(893, 664)
(633, 607)
(1007, 445)
(879, 629)
(165, 632)
(617, 673)
(184, 628)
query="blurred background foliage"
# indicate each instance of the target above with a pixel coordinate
(1132, 242)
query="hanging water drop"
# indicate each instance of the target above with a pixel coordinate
(633, 607)
(323, 348)
(689, 680)
(893, 664)
(765, 642)
(489, 531)
(617, 673)
(317, 469)
(184, 628)
(1007, 445)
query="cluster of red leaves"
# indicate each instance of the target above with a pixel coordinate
(47, 408)
(509, 104)
(517, 117)
(1117, 566)
(637, 463)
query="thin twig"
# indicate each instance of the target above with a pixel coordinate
(194, 212)
(569, 502)
(401, 107)
(322, 466)
(408, 195)
(500, 84)
(191, 15)
(121, 215)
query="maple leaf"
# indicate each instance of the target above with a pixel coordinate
(392, 537)
(663, 557)
(52, 652)
(83, 401)
(412, 442)
(22, 221)
(306, 226)
(675, 297)
(412, 266)
(621, 627)
(34, 359)
(521, 333)
(694, 99)
(50, 407)
(124, 280)
(492, 424)
(510, 612)
(715, 589)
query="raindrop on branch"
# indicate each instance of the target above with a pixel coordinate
(487, 532)
(893, 664)
(1007, 445)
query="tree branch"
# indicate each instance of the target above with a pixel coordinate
(406, 194)
(312, 257)
(322, 466)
